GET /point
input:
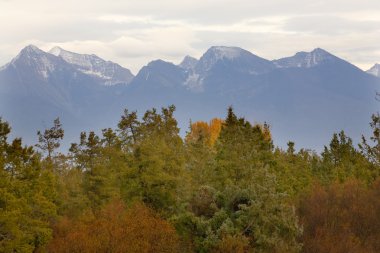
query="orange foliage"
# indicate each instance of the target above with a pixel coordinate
(342, 218)
(115, 229)
(199, 132)
(205, 132)
(265, 129)
(215, 128)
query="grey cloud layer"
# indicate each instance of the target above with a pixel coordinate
(331, 25)
(134, 32)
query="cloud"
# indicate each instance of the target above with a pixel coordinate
(133, 49)
(133, 33)
(331, 25)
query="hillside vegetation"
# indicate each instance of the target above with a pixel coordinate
(223, 188)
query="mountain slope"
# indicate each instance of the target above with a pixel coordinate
(111, 73)
(305, 98)
(36, 87)
(307, 59)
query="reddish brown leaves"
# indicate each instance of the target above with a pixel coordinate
(115, 229)
(342, 218)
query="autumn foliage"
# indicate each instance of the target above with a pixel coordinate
(225, 188)
(115, 228)
(342, 218)
(205, 132)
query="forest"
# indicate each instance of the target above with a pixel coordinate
(224, 187)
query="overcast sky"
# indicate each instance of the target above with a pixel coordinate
(134, 32)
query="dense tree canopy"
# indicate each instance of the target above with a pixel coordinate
(225, 187)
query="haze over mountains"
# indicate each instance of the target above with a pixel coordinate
(305, 97)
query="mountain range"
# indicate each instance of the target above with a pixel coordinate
(305, 98)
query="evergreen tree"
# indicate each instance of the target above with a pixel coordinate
(341, 161)
(96, 157)
(128, 128)
(372, 152)
(49, 140)
(27, 197)
(241, 148)
(241, 205)
(158, 161)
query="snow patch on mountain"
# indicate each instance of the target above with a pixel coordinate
(216, 54)
(110, 72)
(31, 52)
(221, 59)
(55, 51)
(305, 59)
(188, 62)
(38, 61)
(226, 52)
(194, 82)
(87, 62)
(375, 70)
(98, 74)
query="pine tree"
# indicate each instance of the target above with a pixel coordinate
(241, 148)
(49, 140)
(158, 160)
(27, 197)
(372, 152)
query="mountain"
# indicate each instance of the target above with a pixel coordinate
(375, 70)
(111, 73)
(37, 86)
(219, 63)
(305, 98)
(233, 58)
(160, 74)
(188, 62)
(307, 59)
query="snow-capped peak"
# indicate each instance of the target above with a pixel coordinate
(36, 60)
(317, 56)
(56, 51)
(81, 60)
(305, 59)
(29, 51)
(32, 48)
(232, 58)
(375, 70)
(217, 54)
(110, 72)
(222, 52)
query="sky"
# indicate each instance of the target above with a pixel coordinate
(135, 32)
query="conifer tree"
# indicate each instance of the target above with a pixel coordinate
(372, 152)
(158, 160)
(27, 197)
(49, 140)
(241, 148)
(340, 161)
